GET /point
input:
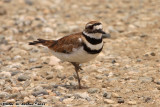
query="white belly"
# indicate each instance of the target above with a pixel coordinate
(79, 56)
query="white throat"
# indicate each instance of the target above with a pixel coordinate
(93, 35)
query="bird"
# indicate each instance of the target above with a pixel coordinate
(77, 48)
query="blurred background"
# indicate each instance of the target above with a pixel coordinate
(126, 73)
(31, 17)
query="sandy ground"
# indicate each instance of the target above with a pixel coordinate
(126, 73)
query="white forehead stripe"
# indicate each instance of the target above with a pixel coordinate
(98, 27)
(89, 25)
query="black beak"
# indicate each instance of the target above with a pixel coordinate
(105, 35)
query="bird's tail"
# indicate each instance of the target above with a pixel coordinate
(47, 43)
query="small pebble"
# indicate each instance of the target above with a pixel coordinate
(4, 74)
(143, 35)
(120, 100)
(83, 95)
(93, 90)
(43, 92)
(58, 93)
(3, 40)
(3, 95)
(107, 95)
(24, 93)
(158, 88)
(29, 2)
(99, 77)
(13, 73)
(49, 77)
(23, 78)
(77, 96)
(113, 61)
(109, 101)
(18, 51)
(34, 67)
(14, 95)
(31, 60)
(11, 101)
(47, 30)
(139, 60)
(7, 1)
(71, 78)
(44, 100)
(26, 99)
(54, 60)
(37, 88)
(146, 79)
(153, 54)
(7, 88)
(148, 99)
(132, 102)
(2, 82)
(158, 82)
(17, 57)
(61, 99)
(73, 83)
(115, 95)
(68, 100)
(2, 11)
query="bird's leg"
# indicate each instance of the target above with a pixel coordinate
(77, 68)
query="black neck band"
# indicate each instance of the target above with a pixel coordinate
(88, 50)
(93, 41)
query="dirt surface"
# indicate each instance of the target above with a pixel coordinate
(126, 73)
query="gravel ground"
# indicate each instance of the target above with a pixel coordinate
(126, 73)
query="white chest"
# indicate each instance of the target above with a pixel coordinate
(79, 56)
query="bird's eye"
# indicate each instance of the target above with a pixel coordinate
(90, 27)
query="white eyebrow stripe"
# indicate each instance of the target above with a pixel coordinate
(98, 27)
(89, 25)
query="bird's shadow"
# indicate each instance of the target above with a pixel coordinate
(71, 87)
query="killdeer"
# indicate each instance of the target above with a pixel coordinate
(79, 47)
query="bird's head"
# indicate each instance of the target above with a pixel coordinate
(95, 28)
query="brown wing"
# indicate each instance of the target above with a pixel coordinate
(67, 43)
(47, 43)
